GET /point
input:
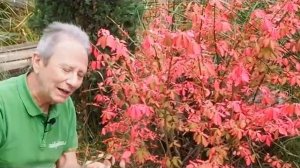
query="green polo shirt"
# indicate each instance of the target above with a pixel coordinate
(26, 138)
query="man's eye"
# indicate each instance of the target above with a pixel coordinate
(67, 70)
(80, 75)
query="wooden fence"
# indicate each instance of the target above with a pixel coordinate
(16, 56)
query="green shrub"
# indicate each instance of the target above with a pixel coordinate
(91, 15)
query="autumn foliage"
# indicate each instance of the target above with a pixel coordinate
(211, 92)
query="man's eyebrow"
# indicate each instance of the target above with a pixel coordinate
(66, 65)
(71, 67)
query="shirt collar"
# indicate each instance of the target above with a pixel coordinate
(31, 106)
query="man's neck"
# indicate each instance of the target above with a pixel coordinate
(36, 92)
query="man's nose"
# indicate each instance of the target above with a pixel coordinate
(73, 80)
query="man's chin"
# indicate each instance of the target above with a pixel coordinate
(58, 100)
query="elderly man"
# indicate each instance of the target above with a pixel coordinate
(37, 115)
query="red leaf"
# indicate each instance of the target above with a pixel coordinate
(122, 50)
(134, 132)
(291, 7)
(271, 114)
(248, 161)
(204, 141)
(223, 26)
(182, 41)
(222, 47)
(111, 42)
(103, 32)
(216, 3)
(137, 111)
(95, 65)
(236, 106)
(239, 75)
(97, 55)
(269, 140)
(282, 131)
(289, 109)
(185, 41)
(101, 42)
(147, 43)
(107, 115)
(126, 156)
(297, 109)
(298, 67)
(101, 98)
(259, 13)
(217, 119)
(244, 75)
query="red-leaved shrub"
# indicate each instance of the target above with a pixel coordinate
(209, 93)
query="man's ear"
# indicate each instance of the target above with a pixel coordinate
(36, 62)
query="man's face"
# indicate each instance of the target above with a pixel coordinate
(64, 72)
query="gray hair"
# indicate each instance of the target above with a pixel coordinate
(55, 32)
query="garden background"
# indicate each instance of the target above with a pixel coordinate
(207, 83)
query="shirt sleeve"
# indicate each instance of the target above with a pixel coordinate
(72, 140)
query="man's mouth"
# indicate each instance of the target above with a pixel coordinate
(64, 91)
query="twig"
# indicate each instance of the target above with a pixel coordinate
(89, 90)
(279, 10)
(214, 29)
(256, 92)
(258, 161)
(169, 70)
(166, 138)
(126, 34)
(198, 59)
(190, 154)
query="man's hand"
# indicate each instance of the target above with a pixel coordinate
(90, 164)
(69, 160)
